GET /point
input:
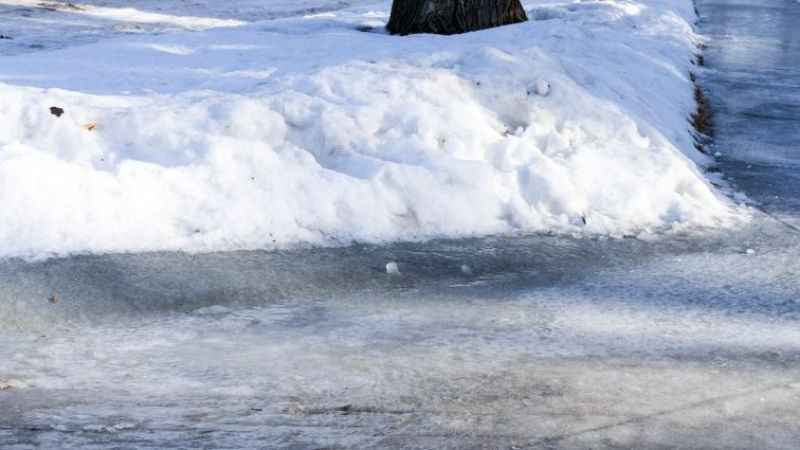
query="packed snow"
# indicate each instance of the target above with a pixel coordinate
(312, 126)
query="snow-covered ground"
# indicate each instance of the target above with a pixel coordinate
(209, 126)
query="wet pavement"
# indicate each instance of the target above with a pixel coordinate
(754, 82)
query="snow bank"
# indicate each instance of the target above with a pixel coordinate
(308, 131)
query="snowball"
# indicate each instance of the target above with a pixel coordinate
(392, 268)
(542, 88)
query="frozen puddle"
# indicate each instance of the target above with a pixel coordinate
(549, 342)
(666, 340)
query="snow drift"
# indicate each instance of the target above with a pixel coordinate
(308, 130)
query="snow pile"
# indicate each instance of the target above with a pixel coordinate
(309, 130)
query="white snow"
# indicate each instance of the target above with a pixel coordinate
(305, 130)
(542, 87)
(392, 268)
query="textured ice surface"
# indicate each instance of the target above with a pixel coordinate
(548, 342)
(671, 341)
(758, 95)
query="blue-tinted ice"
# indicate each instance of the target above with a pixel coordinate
(546, 342)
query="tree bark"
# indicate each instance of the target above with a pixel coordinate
(452, 16)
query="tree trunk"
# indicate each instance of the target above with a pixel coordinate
(452, 16)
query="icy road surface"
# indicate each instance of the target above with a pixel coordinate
(686, 341)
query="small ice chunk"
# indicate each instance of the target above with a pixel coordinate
(11, 383)
(750, 251)
(718, 155)
(542, 88)
(212, 310)
(122, 426)
(392, 268)
(466, 270)
(647, 236)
